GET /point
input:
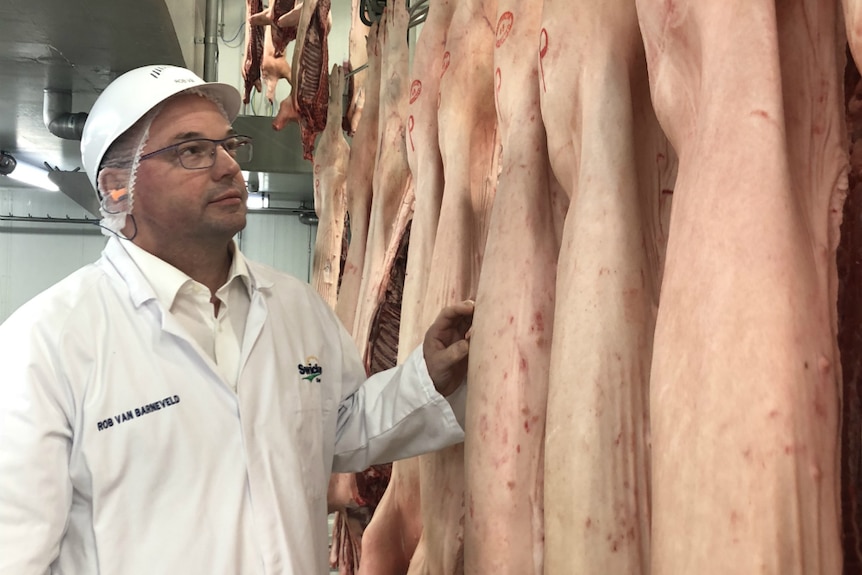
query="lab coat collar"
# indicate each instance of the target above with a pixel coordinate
(140, 289)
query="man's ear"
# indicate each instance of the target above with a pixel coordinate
(112, 179)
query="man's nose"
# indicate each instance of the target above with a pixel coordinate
(224, 163)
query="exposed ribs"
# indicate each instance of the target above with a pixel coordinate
(310, 68)
(253, 50)
(383, 341)
(282, 35)
(850, 331)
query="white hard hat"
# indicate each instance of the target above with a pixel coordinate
(128, 98)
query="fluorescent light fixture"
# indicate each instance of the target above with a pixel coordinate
(33, 176)
(257, 201)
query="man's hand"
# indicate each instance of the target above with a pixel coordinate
(446, 346)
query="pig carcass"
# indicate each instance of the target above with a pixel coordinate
(309, 98)
(283, 18)
(744, 382)
(376, 317)
(392, 191)
(849, 262)
(330, 202)
(513, 321)
(357, 57)
(360, 174)
(252, 51)
(609, 154)
(469, 144)
(279, 22)
(389, 541)
(272, 67)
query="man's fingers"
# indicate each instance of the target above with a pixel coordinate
(458, 310)
(448, 356)
(458, 350)
(454, 315)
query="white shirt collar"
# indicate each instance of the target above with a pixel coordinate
(167, 281)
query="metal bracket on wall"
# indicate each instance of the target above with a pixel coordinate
(370, 11)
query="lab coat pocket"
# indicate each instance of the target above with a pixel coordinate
(308, 422)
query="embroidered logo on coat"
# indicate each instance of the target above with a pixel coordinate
(311, 371)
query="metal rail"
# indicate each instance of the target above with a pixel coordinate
(48, 219)
(303, 212)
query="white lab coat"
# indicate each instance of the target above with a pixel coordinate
(123, 451)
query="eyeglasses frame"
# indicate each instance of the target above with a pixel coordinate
(247, 140)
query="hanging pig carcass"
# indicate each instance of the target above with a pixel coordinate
(307, 102)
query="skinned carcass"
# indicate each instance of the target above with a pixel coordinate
(357, 57)
(309, 98)
(608, 153)
(330, 195)
(282, 17)
(392, 190)
(513, 321)
(330, 177)
(849, 263)
(467, 128)
(389, 542)
(360, 174)
(272, 67)
(746, 325)
(279, 23)
(377, 302)
(252, 51)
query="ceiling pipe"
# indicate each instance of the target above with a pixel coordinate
(58, 117)
(211, 42)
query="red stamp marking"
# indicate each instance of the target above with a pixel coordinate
(498, 77)
(410, 124)
(504, 26)
(415, 90)
(543, 49)
(446, 57)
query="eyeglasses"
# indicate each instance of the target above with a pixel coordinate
(200, 154)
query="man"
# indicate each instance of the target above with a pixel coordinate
(174, 407)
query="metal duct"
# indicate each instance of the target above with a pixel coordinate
(309, 219)
(211, 42)
(58, 117)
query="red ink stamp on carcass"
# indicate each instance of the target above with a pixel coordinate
(543, 49)
(498, 82)
(415, 90)
(446, 57)
(410, 123)
(504, 26)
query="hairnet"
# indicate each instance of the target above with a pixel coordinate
(117, 199)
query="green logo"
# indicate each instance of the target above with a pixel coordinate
(311, 371)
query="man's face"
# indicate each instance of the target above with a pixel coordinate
(196, 207)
